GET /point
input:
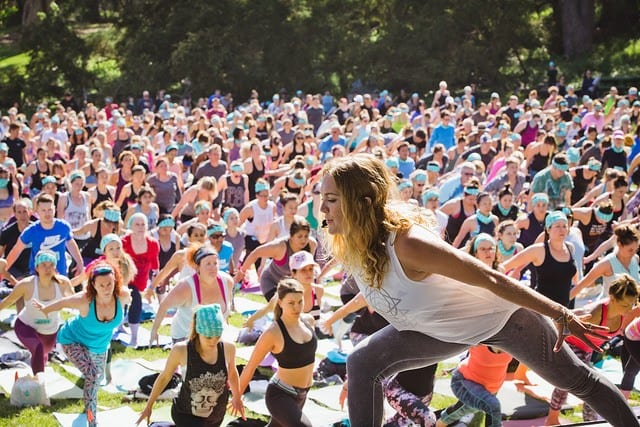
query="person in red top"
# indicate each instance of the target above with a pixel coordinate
(623, 295)
(475, 383)
(144, 250)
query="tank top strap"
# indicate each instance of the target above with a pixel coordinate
(605, 312)
(196, 285)
(35, 295)
(222, 290)
(285, 333)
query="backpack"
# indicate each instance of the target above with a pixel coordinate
(146, 383)
(327, 368)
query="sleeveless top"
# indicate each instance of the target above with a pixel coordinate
(528, 135)
(89, 331)
(253, 178)
(554, 277)
(259, 225)
(129, 201)
(100, 197)
(277, 270)
(181, 322)
(30, 316)
(290, 188)
(580, 185)
(454, 224)
(234, 193)
(91, 178)
(165, 255)
(575, 342)
(8, 202)
(120, 144)
(310, 217)
(617, 214)
(618, 268)
(485, 367)
(529, 235)
(438, 306)
(283, 231)
(538, 162)
(295, 153)
(77, 215)
(92, 249)
(295, 355)
(152, 217)
(36, 178)
(121, 183)
(594, 233)
(512, 214)
(204, 392)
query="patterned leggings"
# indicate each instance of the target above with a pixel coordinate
(559, 397)
(410, 407)
(92, 367)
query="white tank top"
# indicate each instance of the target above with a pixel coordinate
(33, 317)
(77, 215)
(262, 219)
(437, 306)
(283, 231)
(619, 269)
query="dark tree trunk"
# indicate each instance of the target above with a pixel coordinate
(577, 26)
(31, 9)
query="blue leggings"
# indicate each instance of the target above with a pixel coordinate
(472, 397)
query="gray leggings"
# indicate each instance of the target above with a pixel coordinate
(527, 336)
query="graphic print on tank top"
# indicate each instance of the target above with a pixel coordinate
(234, 194)
(205, 391)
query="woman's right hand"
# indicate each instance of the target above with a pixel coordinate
(145, 414)
(38, 306)
(248, 323)
(153, 337)
(325, 326)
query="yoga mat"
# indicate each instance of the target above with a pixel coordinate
(244, 353)
(317, 414)
(143, 338)
(245, 304)
(327, 396)
(328, 344)
(8, 316)
(11, 336)
(8, 346)
(57, 386)
(121, 417)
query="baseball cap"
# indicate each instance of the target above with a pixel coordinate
(300, 260)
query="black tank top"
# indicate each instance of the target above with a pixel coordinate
(295, 153)
(290, 189)
(594, 233)
(454, 223)
(617, 214)
(554, 277)
(93, 244)
(580, 185)
(36, 178)
(538, 163)
(204, 392)
(529, 235)
(100, 198)
(294, 355)
(253, 178)
(512, 214)
(165, 256)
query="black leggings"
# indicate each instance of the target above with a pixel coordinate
(630, 357)
(135, 308)
(285, 407)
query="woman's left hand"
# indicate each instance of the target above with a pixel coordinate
(571, 324)
(237, 407)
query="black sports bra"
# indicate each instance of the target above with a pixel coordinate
(294, 355)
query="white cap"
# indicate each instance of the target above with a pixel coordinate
(358, 98)
(300, 260)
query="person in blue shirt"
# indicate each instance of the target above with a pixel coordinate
(406, 165)
(47, 233)
(216, 233)
(453, 187)
(331, 140)
(444, 133)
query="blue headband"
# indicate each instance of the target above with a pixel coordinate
(167, 222)
(237, 168)
(472, 191)
(111, 215)
(559, 166)
(261, 186)
(216, 228)
(594, 165)
(433, 167)
(606, 217)
(483, 237)
(554, 217)
(48, 180)
(540, 197)
(203, 206)
(299, 181)
(108, 239)
(392, 162)
(75, 175)
(430, 194)
(46, 256)
(228, 213)
(420, 176)
(209, 320)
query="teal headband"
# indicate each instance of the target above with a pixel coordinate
(228, 213)
(203, 206)
(111, 215)
(421, 176)
(594, 165)
(46, 256)
(392, 162)
(471, 191)
(75, 175)
(216, 228)
(237, 168)
(559, 166)
(573, 155)
(48, 180)
(261, 186)
(430, 194)
(554, 217)
(404, 184)
(299, 181)
(108, 239)
(433, 167)
(606, 217)
(483, 237)
(209, 320)
(167, 222)
(540, 197)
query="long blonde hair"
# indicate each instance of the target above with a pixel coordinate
(369, 216)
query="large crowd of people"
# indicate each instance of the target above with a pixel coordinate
(452, 223)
